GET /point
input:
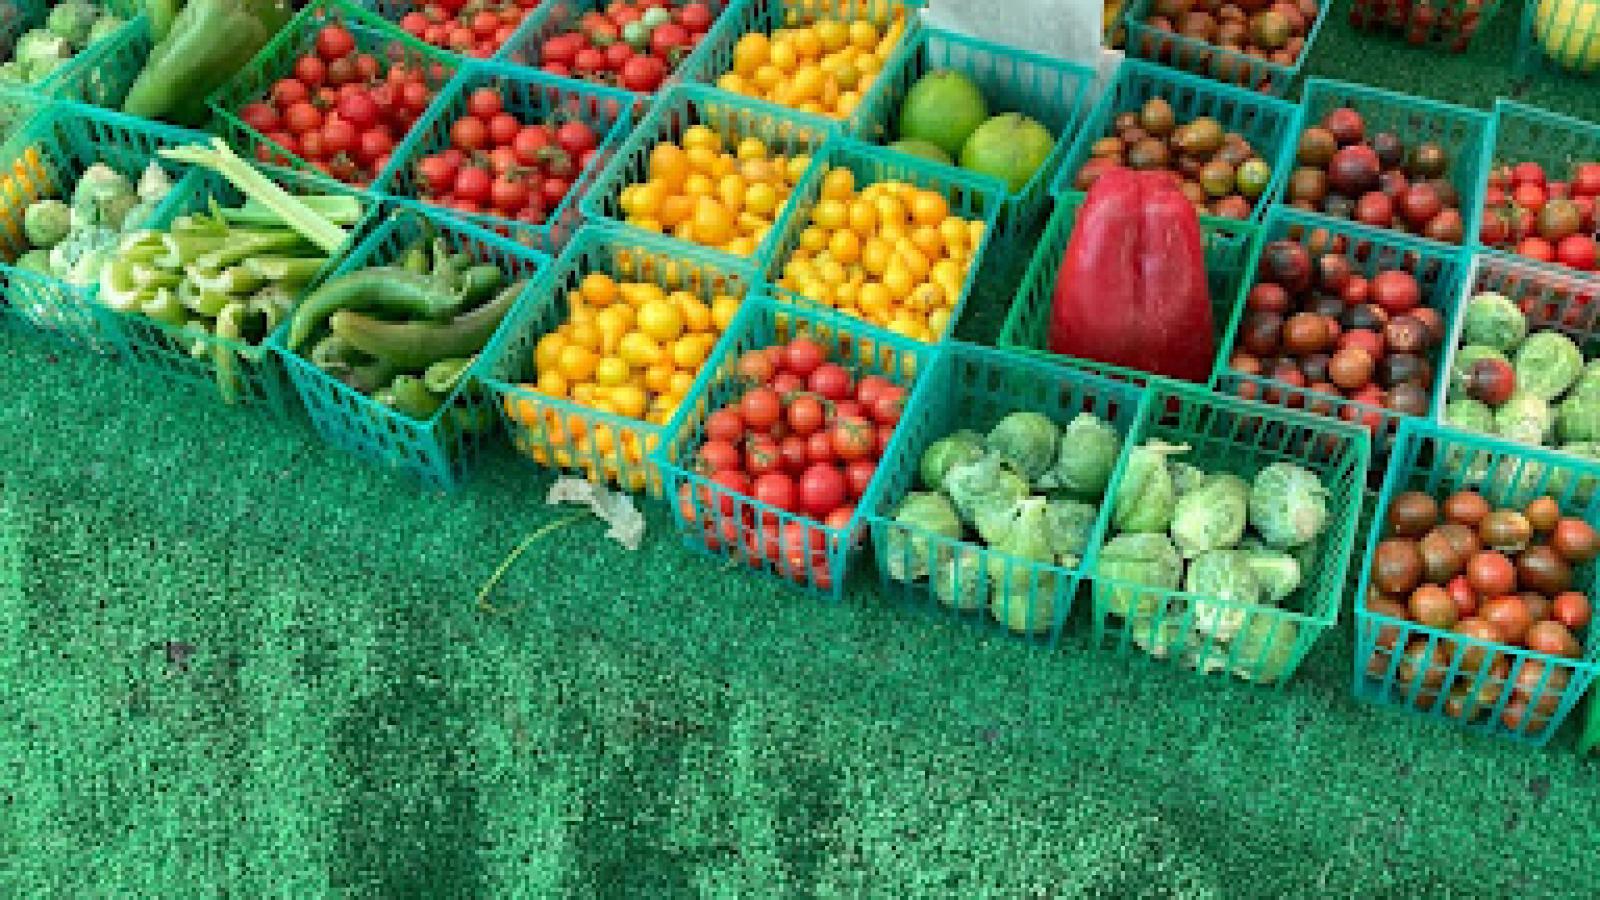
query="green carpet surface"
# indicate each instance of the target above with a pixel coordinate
(238, 663)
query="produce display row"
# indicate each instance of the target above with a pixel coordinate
(738, 297)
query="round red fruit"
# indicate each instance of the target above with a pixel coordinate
(822, 490)
(1577, 251)
(853, 438)
(1396, 291)
(777, 490)
(803, 356)
(830, 381)
(334, 42)
(761, 408)
(806, 415)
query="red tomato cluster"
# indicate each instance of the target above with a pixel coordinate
(634, 46)
(500, 165)
(804, 438)
(339, 110)
(476, 29)
(1551, 221)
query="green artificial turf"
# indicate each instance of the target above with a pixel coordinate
(237, 663)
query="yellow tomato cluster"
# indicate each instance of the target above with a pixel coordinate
(630, 349)
(698, 191)
(823, 68)
(892, 254)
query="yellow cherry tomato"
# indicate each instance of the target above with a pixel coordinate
(552, 383)
(662, 320)
(640, 349)
(547, 353)
(838, 184)
(578, 362)
(612, 371)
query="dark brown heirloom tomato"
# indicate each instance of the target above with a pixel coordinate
(1262, 333)
(1412, 514)
(1505, 530)
(1543, 513)
(1440, 561)
(1406, 334)
(1466, 507)
(1575, 540)
(1408, 399)
(1305, 333)
(1542, 569)
(1397, 566)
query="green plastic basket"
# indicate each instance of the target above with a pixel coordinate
(559, 432)
(561, 16)
(1438, 269)
(1563, 43)
(746, 16)
(1441, 24)
(970, 196)
(1267, 123)
(1462, 133)
(103, 74)
(440, 450)
(276, 60)
(674, 112)
(1226, 434)
(531, 97)
(1212, 61)
(1051, 91)
(16, 108)
(392, 11)
(1553, 299)
(237, 371)
(782, 545)
(1521, 133)
(973, 387)
(65, 81)
(1439, 461)
(45, 159)
(1027, 325)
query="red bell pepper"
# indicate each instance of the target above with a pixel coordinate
(1132, 286)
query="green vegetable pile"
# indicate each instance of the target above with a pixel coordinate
(73, 239)
(405, 334)
(1523, 384)
(1028, 490)
(71, 27)
(1240, 548)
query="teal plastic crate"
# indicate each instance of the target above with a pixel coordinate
(1219, 63)
(103, 74)
(394, 12)
(45, 159)
(533, 98)
(1267, 123)
(1552, 299)
(238, 372)
(1462, 133)
(16, 107)
(1520, 133)
(733, 118)
(782, 545)
(1226, 434)
(1563, 41)
(24, 15)
(561, 16)
(372, 34)
(1452, 25)
(1439, 271)
(560, 432)
(1440, 461)
(1027, 324)
(767, 16)
(972, 387)
(969, 196)
(440, 450)
(1048, 90)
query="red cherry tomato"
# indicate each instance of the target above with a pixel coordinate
(853, 438)
(831, 381)
(787, 382)
(469, 133)
(484, 103)
(777, 490)
(793, 451)
(473, 184)
(262, 117)
(576, 138)
(334, 42)
(503, 128)
(529, 144)
(803, 356)
(847, 409)
(311, 71)
(858, 475)
(868, 389)
(756, 367)
(718, 455)
(762, 455)
(890, 404)
(725, 425)
(822, 490)
(819, 448)
(731, 481)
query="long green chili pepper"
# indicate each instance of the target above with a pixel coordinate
(442, 376)
(388, 290)
(230, 328)
(334, 352)
(417, 345)
(478, 284)
(368, 378)
(412, 397)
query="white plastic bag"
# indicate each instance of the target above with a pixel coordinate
(1066, 29)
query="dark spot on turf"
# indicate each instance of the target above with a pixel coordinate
(1539, 787)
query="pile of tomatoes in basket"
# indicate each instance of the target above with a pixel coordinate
(634, 46)
(498, 164)
(340, 110)
(803, 438)
(477, 28)
(1544, 219)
